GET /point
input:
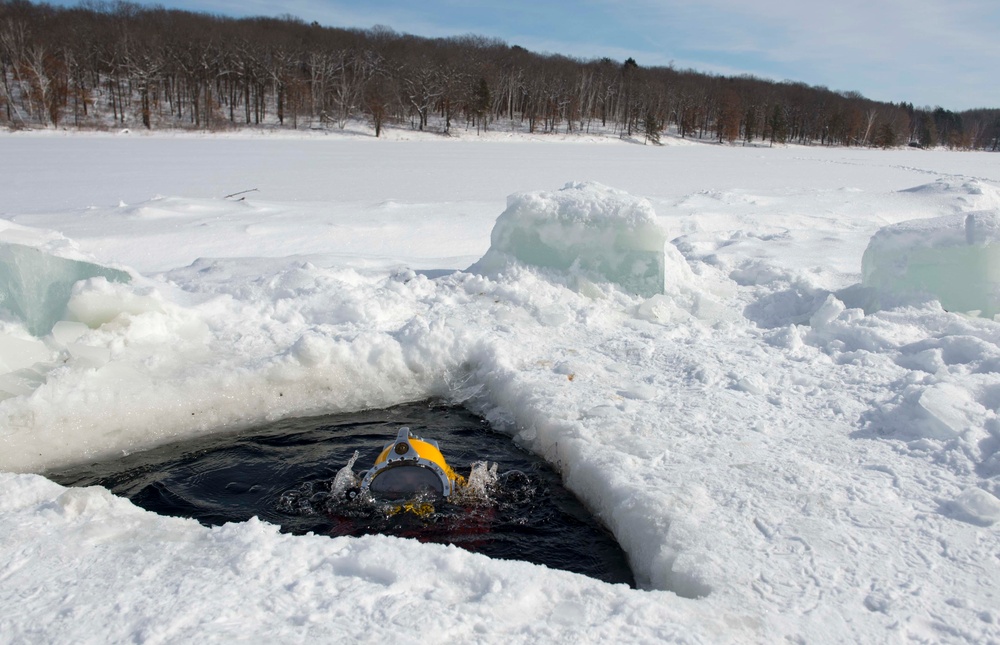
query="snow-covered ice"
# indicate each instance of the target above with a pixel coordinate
(780, 459)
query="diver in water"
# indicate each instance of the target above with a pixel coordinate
(411, 491)
(410, 466)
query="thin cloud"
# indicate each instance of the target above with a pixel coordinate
(923, 51)
(918, 50)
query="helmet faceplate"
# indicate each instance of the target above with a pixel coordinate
(408, 466)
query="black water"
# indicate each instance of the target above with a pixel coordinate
(283, 474)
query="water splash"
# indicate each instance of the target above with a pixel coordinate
(480, 486)
(485, 498)
(346, 478)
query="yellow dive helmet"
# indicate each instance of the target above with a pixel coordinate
(410, 465)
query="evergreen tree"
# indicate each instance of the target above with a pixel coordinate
(885, 137)
(928, 132)
(481, 100)
(652, 127)
(778, 124)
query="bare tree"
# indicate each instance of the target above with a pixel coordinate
(124, 63)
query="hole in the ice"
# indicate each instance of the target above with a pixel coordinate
(284, 473)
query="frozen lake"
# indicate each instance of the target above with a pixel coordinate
(778, 460)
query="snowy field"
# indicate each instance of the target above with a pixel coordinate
(783, 454)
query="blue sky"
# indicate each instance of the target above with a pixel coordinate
(927, 52)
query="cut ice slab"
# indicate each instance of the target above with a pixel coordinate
(954, 259)
(35, 286)
(585, 229)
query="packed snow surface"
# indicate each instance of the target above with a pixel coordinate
(781, 460)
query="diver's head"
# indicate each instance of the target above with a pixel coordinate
(407, 467)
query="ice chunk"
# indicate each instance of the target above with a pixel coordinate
(942, 412)
(586, 229)
(18, 353)
(829, 311)
(23, 363)
(977, 506)
(955, 259)
(948, 411)
(65, 332)
(35, 286)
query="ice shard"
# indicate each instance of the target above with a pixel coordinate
(35, 286)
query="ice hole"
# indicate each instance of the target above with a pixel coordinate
(292, 473)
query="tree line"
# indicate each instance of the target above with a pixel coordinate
(119, 64)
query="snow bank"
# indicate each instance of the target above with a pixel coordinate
(295, 340)
(120, 574)
(586, 229)
(954, 259)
